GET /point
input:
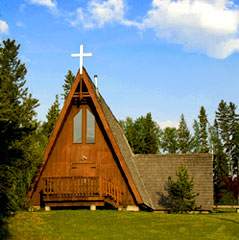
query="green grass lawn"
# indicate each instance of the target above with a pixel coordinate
(109, 224)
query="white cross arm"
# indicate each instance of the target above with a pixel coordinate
(81, 55)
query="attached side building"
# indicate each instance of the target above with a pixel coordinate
(88, 160)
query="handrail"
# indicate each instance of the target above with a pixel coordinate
(79, 186)
(111, 190)
(71, 186)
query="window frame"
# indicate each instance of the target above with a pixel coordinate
(84, 127)
(87, 110)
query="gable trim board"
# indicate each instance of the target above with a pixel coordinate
(135, 167)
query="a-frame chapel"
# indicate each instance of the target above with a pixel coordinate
(88, 161)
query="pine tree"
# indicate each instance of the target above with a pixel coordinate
(220, 166)
(68, 81)
(180, 192)
(168, 140)
(152, 135)
(196, 137)
(52, 116)
(203, 135)
(235, 151)
(227, 120)
(184, 136)
(17, 125)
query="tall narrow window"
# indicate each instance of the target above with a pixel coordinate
(78, 127)
(90, 133)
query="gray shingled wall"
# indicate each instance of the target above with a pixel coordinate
(155, 169)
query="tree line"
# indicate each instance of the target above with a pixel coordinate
(24, 138)
(221, 139)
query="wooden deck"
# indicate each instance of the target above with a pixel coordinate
(79, 190)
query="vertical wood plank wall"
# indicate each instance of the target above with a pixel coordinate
(68, 158)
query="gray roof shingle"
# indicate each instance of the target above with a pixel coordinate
(154, 169)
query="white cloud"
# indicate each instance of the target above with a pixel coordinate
(21, 25)
(207, 26)
(210, 26)
(168, 123)
(47, 3)
(22, 8)
(98, 13)
(25, 59)
(3, 27)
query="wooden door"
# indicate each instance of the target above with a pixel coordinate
(84, 147)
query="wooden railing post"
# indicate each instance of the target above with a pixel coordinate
(100, 187)
(78, 186)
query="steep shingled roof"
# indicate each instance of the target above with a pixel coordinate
(123, 145)
(154, 169)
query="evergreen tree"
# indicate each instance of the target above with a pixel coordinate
(68, 81)
(184, 136)
(152, 135)
(17, 126)
(52, 116)
(142, 134)
(227, 120)
(203, 135)
(168, 140)
(220, 166)
(235, 151)
(196, 137)
(181, 195)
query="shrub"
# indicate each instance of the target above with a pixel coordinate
(181, 195)
(3, 227)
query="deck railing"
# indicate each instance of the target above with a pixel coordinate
(71, 186)
(111, 190)
(81, 187)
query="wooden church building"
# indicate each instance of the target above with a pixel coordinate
(88, 161)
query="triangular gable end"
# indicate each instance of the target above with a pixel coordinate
(47, 182)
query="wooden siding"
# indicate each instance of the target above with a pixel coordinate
(68, 159)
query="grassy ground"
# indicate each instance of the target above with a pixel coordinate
(108, 224)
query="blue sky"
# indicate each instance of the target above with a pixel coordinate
(166, 57)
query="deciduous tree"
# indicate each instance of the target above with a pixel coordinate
(168, 140)
(142, 134)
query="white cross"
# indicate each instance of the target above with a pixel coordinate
(81, 55)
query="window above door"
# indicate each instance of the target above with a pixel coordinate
(84, 126)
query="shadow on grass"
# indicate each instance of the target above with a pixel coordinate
(223, 219)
